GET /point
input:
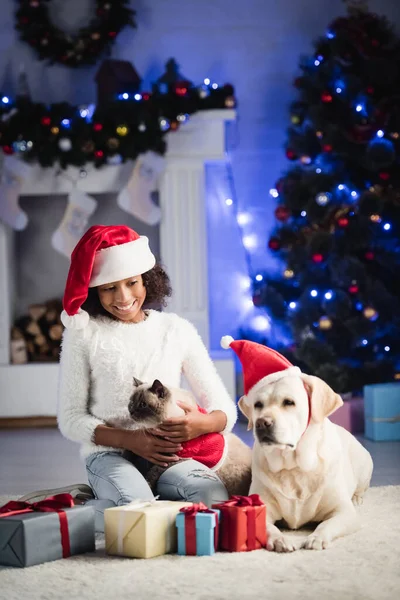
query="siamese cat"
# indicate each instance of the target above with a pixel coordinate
(227, 455)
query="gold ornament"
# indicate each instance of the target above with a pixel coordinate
(375, 218)
(122, 130)
(319, 134)
(369, 312)
(325, 323)
(55, 130)
(295, 119)
(95, 35)
(305, 160)
(113, 143)
(397, 376)
(288, 273)
(230, 102)
(395, 135)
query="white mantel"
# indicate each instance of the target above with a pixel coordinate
(31, 389)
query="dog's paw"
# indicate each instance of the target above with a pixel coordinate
(357, 499)
(280, 544)
(315, 542)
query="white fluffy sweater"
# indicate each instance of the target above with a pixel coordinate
(98, 365)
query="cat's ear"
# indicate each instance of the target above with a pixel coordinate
(137, 382)
(158, 388)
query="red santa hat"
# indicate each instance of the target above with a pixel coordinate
(261, 365)
(106, 253)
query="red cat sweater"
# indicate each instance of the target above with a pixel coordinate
(208, 449)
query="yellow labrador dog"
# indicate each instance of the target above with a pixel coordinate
(305, 468)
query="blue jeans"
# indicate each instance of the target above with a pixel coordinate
(116, 481)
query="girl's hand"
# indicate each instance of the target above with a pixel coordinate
(157, 450)
(181, 429)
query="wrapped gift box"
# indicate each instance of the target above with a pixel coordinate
(382, 411)
(198, 528)
(142, 529)
(38, 536)
(243, 524)
(350, 415)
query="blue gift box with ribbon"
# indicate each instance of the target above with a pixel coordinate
(197, 530)
(382, 411)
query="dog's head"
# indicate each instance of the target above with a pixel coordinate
(148, 404)
(278, 412)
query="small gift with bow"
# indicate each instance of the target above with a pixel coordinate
(142, 529)
(243, 523)
(198, 528)
(38, 532)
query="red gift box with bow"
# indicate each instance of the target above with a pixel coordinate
(243, 523)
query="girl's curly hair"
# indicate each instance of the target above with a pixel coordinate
(158, 289)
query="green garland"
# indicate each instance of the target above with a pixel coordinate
(106, 134)
(37, 29)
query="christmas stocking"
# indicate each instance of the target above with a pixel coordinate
(14, 172)
(79, 209)
(136, 198)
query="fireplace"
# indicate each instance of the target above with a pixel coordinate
(31, 389)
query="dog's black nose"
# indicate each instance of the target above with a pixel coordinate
(264, 423)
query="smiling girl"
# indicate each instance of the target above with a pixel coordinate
(112, 336)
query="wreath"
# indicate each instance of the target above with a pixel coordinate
(51, 43)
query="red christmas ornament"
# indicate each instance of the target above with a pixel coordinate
(257, 300)
(99, 154)
(290, 154)
(326, 97)
(146, 96)
(343, 222)
(181, 88)
(353, 289)
(370, 255)
(327, 148)
(384, 175)
(317, 258)
(45, 121)
(370, 89)
(8, 150)
(282, 213)
(274, 243)
(112, 34)
(174, 125)
(97, 126)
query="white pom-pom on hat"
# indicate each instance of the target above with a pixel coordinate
(226, 341)
(77, 321)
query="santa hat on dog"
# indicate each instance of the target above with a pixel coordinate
(106, 253)
(261, 365)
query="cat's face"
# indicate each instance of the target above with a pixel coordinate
(149, 403)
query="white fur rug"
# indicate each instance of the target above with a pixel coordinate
(360, 567)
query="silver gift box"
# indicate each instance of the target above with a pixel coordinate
(33, 538)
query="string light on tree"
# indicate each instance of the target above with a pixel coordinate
(288, 273)
(325, 323)
(318, 258)
(229, 201)
(370, 313)
(259, 277)
(323, 198)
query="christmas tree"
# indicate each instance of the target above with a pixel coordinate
(338, 210)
